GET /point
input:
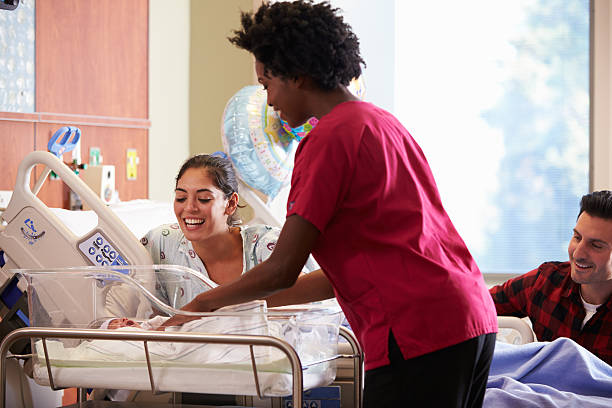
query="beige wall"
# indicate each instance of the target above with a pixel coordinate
(217, 69)
(193, 71)
(601, 96)
(169, 40)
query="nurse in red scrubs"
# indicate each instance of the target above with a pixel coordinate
(364, 202)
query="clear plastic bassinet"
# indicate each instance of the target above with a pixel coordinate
(90, 297)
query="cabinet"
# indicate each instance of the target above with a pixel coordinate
(91, 71)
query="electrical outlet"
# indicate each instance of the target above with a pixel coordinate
(5, 197)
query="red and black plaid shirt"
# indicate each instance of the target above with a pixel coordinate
(551, 300)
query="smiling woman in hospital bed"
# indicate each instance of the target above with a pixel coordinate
(207, 238)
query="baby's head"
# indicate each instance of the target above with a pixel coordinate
(113, 324)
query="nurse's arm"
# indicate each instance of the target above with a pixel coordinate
(279, 271)
(309, 287)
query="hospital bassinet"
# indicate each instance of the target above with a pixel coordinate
(57, 296)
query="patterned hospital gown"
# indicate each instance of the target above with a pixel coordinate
(167, 245)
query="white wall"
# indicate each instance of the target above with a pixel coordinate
(169, 42)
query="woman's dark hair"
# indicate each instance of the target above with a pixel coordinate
(597, 204)
(221, 172)
(299, 38)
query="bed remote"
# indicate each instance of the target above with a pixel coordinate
(101, 252)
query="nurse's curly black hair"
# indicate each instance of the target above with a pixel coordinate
(298, 38)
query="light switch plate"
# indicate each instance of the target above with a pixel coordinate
(132, 164)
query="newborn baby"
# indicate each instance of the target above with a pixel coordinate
(117, 323)
(223, 322)
(151, 324)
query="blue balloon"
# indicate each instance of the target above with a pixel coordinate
(261, 151)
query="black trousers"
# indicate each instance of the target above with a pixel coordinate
(455, 376)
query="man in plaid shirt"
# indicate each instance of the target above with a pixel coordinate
(571, 299)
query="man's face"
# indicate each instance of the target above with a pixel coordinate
(590, 250)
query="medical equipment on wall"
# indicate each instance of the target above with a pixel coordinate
(32, 236)
(101, 179)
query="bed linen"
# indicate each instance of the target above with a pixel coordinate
(548, 374)
(140, 216)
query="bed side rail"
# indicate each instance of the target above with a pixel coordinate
(357, 357)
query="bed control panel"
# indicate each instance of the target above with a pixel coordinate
(100, 251)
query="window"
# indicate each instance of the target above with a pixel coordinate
(497, 95)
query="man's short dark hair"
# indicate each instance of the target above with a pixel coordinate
(300, 38)
(597, 204)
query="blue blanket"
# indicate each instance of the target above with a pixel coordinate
(542, 374)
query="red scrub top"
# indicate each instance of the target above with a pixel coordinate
(387, 245)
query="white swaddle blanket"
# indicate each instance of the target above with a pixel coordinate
(254, 322)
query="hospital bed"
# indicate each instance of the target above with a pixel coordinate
(34, 236)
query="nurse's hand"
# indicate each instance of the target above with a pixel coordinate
(196, 305)
(176, 320)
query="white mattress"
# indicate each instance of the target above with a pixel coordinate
(201, 367)
(273, 377)
(180, 367)
(140, 216)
